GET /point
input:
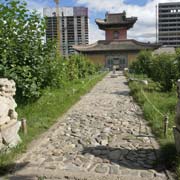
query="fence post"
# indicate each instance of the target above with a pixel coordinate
(24, 125)
(166, 122)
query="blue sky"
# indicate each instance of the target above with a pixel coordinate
(133, 2)
(136, 2)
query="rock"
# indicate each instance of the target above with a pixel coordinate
(145, 82)
(100, 168)
(146, 174)
(114, 169)
(96, 152)
(104, 142)
(107, 130)
(114, 155)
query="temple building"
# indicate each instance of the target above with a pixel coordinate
(116, 49)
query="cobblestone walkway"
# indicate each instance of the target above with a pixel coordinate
(103, 137)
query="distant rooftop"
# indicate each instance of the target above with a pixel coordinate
(166, 50)
(116, 20)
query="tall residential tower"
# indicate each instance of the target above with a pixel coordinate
(169, 24)
(73, 27)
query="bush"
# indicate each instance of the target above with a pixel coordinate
(80, 67)
(24, 58)
(143, 63)
(22, 54)
(163, 68)
(164, 71)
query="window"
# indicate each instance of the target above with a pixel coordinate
(116, 35)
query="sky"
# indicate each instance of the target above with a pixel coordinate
(144, 30)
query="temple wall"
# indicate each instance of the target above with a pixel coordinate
(101, 58)
(131, 57)
(110, 34)
(97, 58)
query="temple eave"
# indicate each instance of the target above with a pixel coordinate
(126, 45)
(104, 24)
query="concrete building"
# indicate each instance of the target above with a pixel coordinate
(169, 24)
(73, 27)
(116, 49)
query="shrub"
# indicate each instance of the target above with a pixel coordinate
(164, 70)
(33, 65)
(143, 63)
(80, 67)
(22, 54)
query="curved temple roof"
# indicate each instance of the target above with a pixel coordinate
(118, 45)
(116, 21)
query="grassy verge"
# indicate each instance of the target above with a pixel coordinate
(42, 114)
(165, 103)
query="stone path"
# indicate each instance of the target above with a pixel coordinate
(102, 137)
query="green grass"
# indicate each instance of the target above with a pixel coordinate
(166, 104)
(138, 76)
(43, 113)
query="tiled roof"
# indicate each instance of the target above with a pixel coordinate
(116, 20)
(118, 45)
(167, 50)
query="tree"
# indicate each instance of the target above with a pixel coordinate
(143, 63)
(164, 70)
(22, 53)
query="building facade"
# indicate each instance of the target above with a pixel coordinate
(73, 27)
(116, 49)
(169, 24)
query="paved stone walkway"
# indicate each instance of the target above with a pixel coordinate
(103, 137)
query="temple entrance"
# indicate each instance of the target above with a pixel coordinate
(119, 62)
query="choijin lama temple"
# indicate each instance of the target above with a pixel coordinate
(116, 49)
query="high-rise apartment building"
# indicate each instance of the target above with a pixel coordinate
(73, 27)
(169, 24)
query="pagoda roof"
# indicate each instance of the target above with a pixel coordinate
(116, 21)
(117, 45)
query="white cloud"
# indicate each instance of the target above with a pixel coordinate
(144, 29)
(37, 5)
(95, 34)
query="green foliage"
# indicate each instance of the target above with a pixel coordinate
(24, 57)
(22, 53)
(80, 67)
(163, 68)
(142, 66)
